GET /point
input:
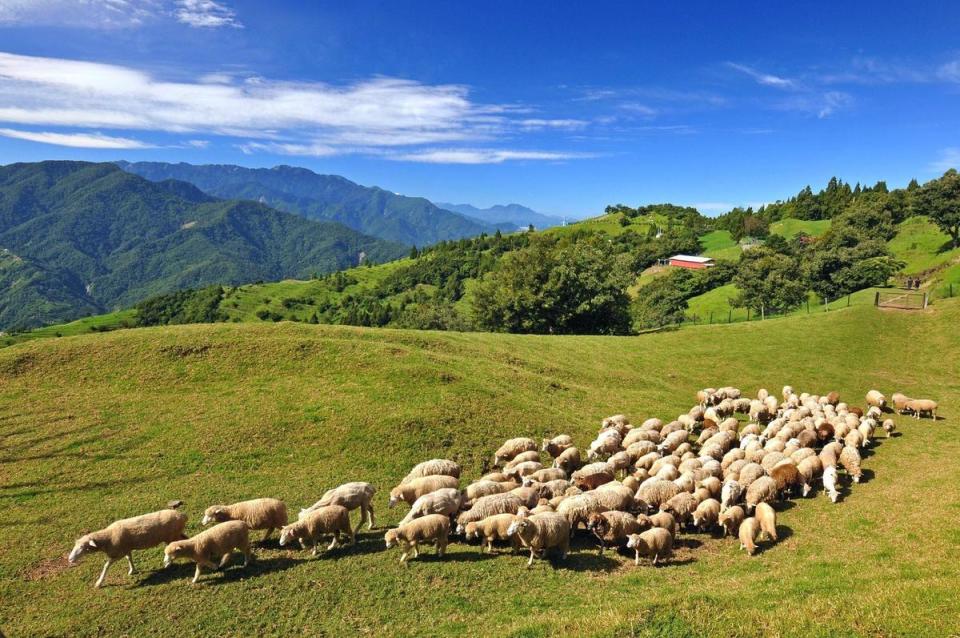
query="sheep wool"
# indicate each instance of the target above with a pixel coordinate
(542, 532)
(332, 519)
(767, 518)
(259, 513)
(432, 467)
(749, 530)
(218, 541)
(654, 543)
(433, 528)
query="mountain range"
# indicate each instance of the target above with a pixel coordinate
(80, 237)
(369, 210)
(513, 214)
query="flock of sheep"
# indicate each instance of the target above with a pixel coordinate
(634, 486)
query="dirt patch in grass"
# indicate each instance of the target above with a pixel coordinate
(46, 568)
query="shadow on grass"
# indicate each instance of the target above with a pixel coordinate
(57, 489)
(783, 533)
(866, 476)
(233, 571)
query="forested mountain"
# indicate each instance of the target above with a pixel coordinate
(370, 210)
(79, 237)
(515, 214)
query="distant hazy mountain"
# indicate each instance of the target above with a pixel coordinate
(515, 214)
(370, 210)
(79, 237)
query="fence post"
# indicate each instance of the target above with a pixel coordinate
(711, 317)
(748, 313)
(848, 301)
(808, 305)
(876, 298)
(730, 316)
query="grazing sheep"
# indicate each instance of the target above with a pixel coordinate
(446, 501)
(427, 529)
(410, 492)
(606, 444)
(767, 517)
(749, 530)
(577, 509)
(787, 477)
(521, 470)
(350, 495)
(487, 506)
(731, 518)
(545, 475)
(529, 497)
(551, 489)
(664, 520)
(260, 513)
(542, 532)
(433, 467)
(481, 488)
(496, 477)
(707, 514)
(830, 483)
(682, 506)
(920, 407)
(511, 448)
(332, 519)
(875, 398)
(889, 427)
(750, 473)
(612, 528)
(593, 475)
(730, 495)
(830, 454)
(555, 446)
(120, 538)
(900, 401)
(523, 457)
(493, 528)
(825, 432)
(810, 467)
(568, 461)
(218, 541)
(655, 542)
(850, 461)
(656, 492)
(764, 489)
(833, 398)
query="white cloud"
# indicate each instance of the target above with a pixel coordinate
(949, 72)
(534, 123)
(74, 140)
(482, 156)
(765, 79)
(206, 14)
(833, 101)
(949, 158)
(97, 14)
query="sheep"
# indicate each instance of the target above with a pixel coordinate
(618, 422)
(550, 489)
(810, 468)
(767, 517)
(488, 506)
(681, 506)
(496, 477)
(664, 520)
(481, 488)
(542, 532)
(521, 470)
(656, 492)
(787, 477)
(787, 391)
(606, 444)
(433, 467)
(750, 473)
(578, 508)
(523, 457)
(427, 529)
(854, 439)
(493, 528)
(900, 401)
(830, 453)
(764, 489)
(713, 485)
(922, 406)
(825, 432)
(410, 492)
(120, 538)
(332, 519)
(260, 513)
(749, 530)
(545, 475)
(730, 495)
(511, 448)
(612, 528)
(850, 460)
(830, 483)
(446, 501)
(218, 541)
(529, 497)
(833, 398)
(889, 427)
(731, 518)
(876, 398)
(350, 495)
(593, 475)
(568, 461)
(555, 446)
(656, 542)
(707, 514)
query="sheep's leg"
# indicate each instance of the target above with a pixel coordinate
(266, 536)
(224, 561)
(370, 524)
(636, 557)
(532, 553)
(132, 569)
(601, 547)
(416, 550)
(655, 557)
(103, 574)
(196, 575)
(333, 543)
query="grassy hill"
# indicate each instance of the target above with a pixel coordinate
(98, 427)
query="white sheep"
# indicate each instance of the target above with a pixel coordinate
(259, 513)
(355, 495)
(426, 529)
(555, 446)
(493, 528)
(446, 501)
(432, 467)
(656, 542)
(332, 519)
(410, 492)
(730, 519)
(513, 447)
(830, 483)
(542, 532)
(216, 542)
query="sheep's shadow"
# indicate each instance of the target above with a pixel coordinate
(233, 571)
(866, 476)
(786, 504)
(783, 533)
(583, 562)
(687, 542)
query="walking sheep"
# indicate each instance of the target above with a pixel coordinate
(767, 518)
(568, 461)
(216, 542)
(352, 496)
(555, 446)
(764, 489)
(427, 529)
(920, 407)
(655, 542)
(433, 467)
(542, 532)
(850, 461)
(876, 398)
(511, 448)
(830, 483)
(410, 492)
(731, 519)
(749, 530)
(612, 528)
(488, 506)
(120, 538)
(260, 513)
(332, 519)
(493, 528)
(446, 501)
(707, 514)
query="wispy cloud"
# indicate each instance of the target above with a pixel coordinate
(206, 14)
(765, 79)
(949, 158)
(535, 123)
(949, 72)
(483, 156)
(74, 140)
(98, 14)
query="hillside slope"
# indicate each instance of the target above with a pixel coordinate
(369, 210)
(514, 214)
(98, 427)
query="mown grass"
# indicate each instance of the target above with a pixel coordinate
(921, 245)
(720, 245)
(790, 227)
(103, 426)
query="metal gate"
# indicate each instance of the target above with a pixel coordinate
(903, 299)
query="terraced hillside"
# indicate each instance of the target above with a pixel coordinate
(98, 427)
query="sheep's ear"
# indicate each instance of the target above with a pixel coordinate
(91, 543)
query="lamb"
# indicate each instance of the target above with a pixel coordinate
(593, 475)
(488, 506)
(749, 530)
(830, 483)
(569, 460)
(332, 519)
(920, 407)
(218, 541)
(511, 448)
(730, 495)
(493, 528)
(350, 495)
(764, 489)
(260, 513)
(555, 446)
(889, 427)
(731, 519)
(121, 538)
(850, 460)
(427, 529)
(446, 501)
(409, 492)
(432, 468)
(767, 518)
(876, 398)
(656, 542)
(542, 532)
(612, 528)
(707, 514)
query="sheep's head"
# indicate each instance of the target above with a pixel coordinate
(470, 531)
(390, 538)
(287, 535)
(520, 527)
(598, 524)
(634, 541)
(396, 495)
(216, 513)
(84, 545)
(171, 552)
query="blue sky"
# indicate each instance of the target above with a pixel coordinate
(561, 106)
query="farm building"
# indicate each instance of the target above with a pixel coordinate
(691, 261)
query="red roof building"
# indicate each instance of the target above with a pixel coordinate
(691, 261)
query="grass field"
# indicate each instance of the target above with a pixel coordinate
(98, 427)
(791, 227)
(720, 245)
(921, 245)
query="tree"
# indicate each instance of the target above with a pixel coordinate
(940, 200)
(769, 281)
